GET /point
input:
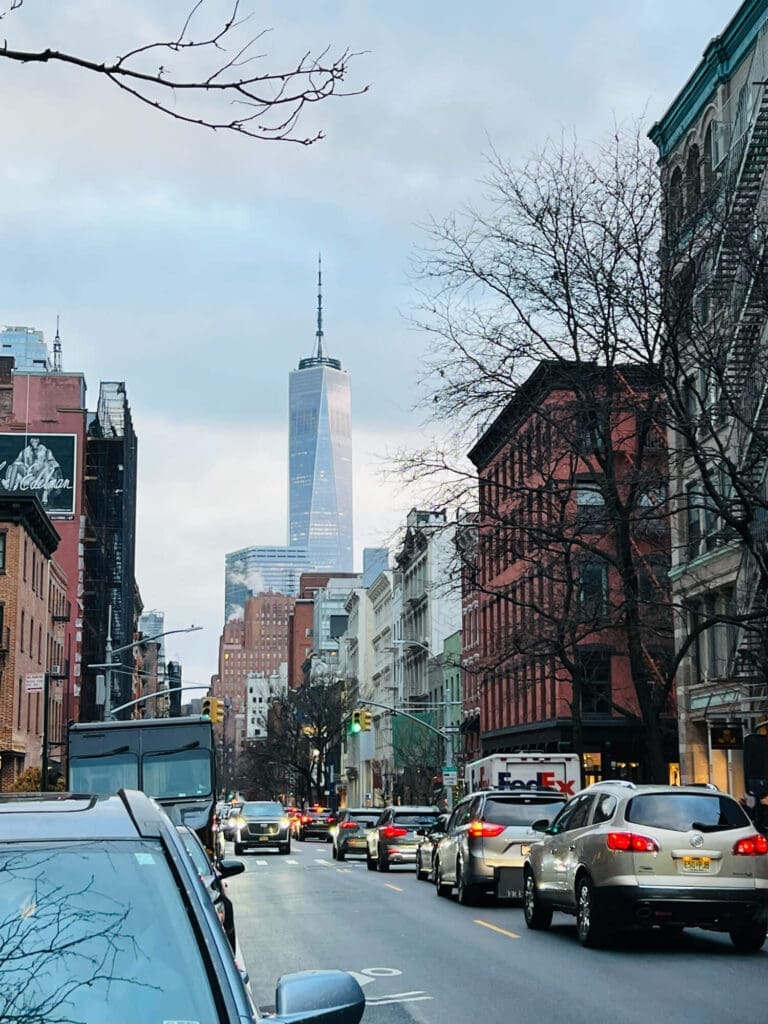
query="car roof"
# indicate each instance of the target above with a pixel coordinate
(40, 816)
(551, 793)
(629, 789)
(410, 808)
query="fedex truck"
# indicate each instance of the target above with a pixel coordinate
(559, 772)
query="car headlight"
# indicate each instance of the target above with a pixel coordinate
(285, 822)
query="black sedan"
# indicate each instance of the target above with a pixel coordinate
(103, 917)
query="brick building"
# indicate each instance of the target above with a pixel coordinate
(33, 617)
(557, 471)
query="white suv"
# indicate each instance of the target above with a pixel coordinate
(620, 855)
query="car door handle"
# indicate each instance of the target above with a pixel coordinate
(572, 846)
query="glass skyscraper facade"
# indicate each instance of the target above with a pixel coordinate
(320, 458)
(261, 570)
(27, 346)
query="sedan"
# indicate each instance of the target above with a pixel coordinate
(103, 917)
(262, 823)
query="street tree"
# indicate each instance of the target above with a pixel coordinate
(208, 72)
(575, 273)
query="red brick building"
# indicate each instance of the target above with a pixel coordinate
(569, 474)
(33, 617)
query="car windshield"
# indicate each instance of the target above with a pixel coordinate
(416, 819)
(682, 812)
(262, 809)
(521, 811)
(182, 773)
(366, 820)
(97, 931)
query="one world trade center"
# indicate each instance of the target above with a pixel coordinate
(320, 457)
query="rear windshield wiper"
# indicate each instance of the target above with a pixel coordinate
(702, 827)
(107, 753)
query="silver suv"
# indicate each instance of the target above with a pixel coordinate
(620, 855)
(485, 842)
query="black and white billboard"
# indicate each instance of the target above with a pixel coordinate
(40, 464)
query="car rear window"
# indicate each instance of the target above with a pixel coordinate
(521, 810)
(682, 812)
(257, 809)
(364, 819)
(415, 820)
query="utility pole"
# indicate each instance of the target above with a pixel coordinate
(46, 728)
(108, 667)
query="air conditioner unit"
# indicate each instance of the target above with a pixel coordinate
(55, 670)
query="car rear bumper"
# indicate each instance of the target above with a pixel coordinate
(717, 908)
(351, 847)
(400, 855)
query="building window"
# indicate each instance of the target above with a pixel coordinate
(593, 587)
(594, 675)
(590, 505)
(2, 550)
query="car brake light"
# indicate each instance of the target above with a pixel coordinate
(348, 824)
(751, 846)
(485, 830)
(631, 842)
(392, 832)
(305, 819)
(330, 821)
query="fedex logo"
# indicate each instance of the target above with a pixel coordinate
(542, 780)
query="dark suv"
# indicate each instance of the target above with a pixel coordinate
(262, 823)
(102, 912)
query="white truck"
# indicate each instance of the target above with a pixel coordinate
(559, 772)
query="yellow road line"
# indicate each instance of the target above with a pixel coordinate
(495, 928)
(395, 887)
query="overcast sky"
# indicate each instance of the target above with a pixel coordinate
(183, 262)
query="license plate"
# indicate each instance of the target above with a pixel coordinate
(264, 839)
(696, 863)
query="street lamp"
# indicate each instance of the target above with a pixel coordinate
(109, 664)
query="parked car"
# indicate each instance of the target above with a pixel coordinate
(621, 855)
(316, 824)
(109, 921)
(425, 851)
(213, 879)
(348, 835)
(229, 821)
(396, 834)
(262, 823)
(486, 839)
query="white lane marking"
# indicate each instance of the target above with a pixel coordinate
(291, 862)
(325, 863)
(398, 997)
(261, 863)
(381, 972)
(343, 871)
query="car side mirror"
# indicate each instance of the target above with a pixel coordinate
(309, 997)
(230, 868)
(540, 825)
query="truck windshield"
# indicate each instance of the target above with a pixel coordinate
(104, 775)
(179, 774)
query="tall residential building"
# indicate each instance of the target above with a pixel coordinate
(320, 457)
(261, 570)
(27, 346)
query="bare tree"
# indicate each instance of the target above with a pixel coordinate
(570, 265)
(212, 76)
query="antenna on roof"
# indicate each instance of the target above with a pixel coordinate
(319, 331)
(57, 349)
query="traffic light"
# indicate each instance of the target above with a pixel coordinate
(207, 707)
(366, 720)
(217, 710)
(354, 723)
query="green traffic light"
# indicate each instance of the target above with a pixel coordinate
(355, 727)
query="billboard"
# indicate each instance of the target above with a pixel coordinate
(40, 464)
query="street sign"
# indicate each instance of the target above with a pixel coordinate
(35, 683)
(450, 775)
(450, 729)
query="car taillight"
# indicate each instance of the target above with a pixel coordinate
(751, 846)
(392, 832)
(631, 842)
(305, 819)
(348, 824)
(330, 821)
(485, 830)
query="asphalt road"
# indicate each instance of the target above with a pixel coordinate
(425, 959)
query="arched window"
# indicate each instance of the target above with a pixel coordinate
(675, 200)
(692, 180)
(707, 160)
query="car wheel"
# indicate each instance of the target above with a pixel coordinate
(301, 837)
(466, 894)
(334, 854)
(285, 847)
(340, 855)
(589, 928)
(421, 874)
(537, 917)
(370, 862)
(239, 849)
(443, 888)
(383, 862)
(750, 936)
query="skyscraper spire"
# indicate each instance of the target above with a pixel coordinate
(319, 331)
(57, 349)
